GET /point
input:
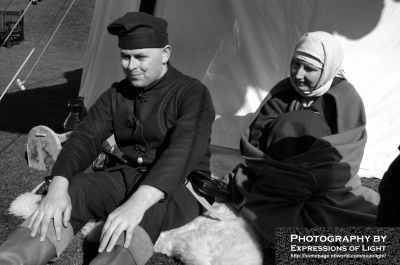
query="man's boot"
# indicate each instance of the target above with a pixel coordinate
(22, 249)
(139, 251)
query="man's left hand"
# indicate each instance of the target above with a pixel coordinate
(128, 216)
(124, 218)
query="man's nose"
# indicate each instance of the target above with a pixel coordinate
(132, 64)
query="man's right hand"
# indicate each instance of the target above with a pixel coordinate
(57, 205)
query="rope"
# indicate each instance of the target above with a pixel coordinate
(6, 7)
(15, 25)
(59, 24)
(23, 64)
(2, 95)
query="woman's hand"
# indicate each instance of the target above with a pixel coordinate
(128, 216)
(57, 205)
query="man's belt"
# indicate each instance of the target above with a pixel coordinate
(197, 183)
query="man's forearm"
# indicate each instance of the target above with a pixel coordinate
(145, 197)
(59, 183)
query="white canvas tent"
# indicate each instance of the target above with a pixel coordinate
(241, 48)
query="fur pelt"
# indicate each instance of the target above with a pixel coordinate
(206, 241)
(203, 241)
(25, 204)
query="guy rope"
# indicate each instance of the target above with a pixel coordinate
(20, 83)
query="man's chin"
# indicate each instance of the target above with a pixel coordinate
(138, 84)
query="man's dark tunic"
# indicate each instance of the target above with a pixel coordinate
(163, 130)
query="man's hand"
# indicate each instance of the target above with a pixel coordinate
(128, 216)
(57, 205)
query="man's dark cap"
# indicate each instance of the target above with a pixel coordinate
(137, 30)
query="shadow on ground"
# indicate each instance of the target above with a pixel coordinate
(22, 110)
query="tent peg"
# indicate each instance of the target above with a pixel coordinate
(20, 84)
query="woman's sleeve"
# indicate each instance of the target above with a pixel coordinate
(277, 105)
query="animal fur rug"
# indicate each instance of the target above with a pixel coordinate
(204, 241)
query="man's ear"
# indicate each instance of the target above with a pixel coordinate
(166, 53)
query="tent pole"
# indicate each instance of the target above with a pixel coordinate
(147, 6)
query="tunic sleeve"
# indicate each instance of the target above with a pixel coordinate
(85, 142)
(271, 110)
(188, 143)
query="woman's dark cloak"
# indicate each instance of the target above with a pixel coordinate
(317, 188)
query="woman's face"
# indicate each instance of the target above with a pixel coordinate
(305, 75)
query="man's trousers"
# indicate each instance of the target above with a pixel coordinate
(95, 195)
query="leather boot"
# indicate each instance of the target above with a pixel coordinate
(22, 249)
(118, 255)
(139, 251)
(67, 234)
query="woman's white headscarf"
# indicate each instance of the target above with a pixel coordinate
(324, 51)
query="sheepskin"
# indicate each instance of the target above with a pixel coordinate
(25, 204)
(204, 241)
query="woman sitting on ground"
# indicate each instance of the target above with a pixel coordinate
(303, 148)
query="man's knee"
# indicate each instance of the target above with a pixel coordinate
(67, 234)
(22, 248)
(139, 251)
(140, 247)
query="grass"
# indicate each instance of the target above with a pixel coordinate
(55, 80)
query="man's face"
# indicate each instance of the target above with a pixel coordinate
(144, 66)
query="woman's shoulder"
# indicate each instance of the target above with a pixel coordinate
(343, 89)
(283, 85)
(283, 90)
(350, 110)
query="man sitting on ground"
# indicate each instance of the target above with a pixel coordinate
(161, 120)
